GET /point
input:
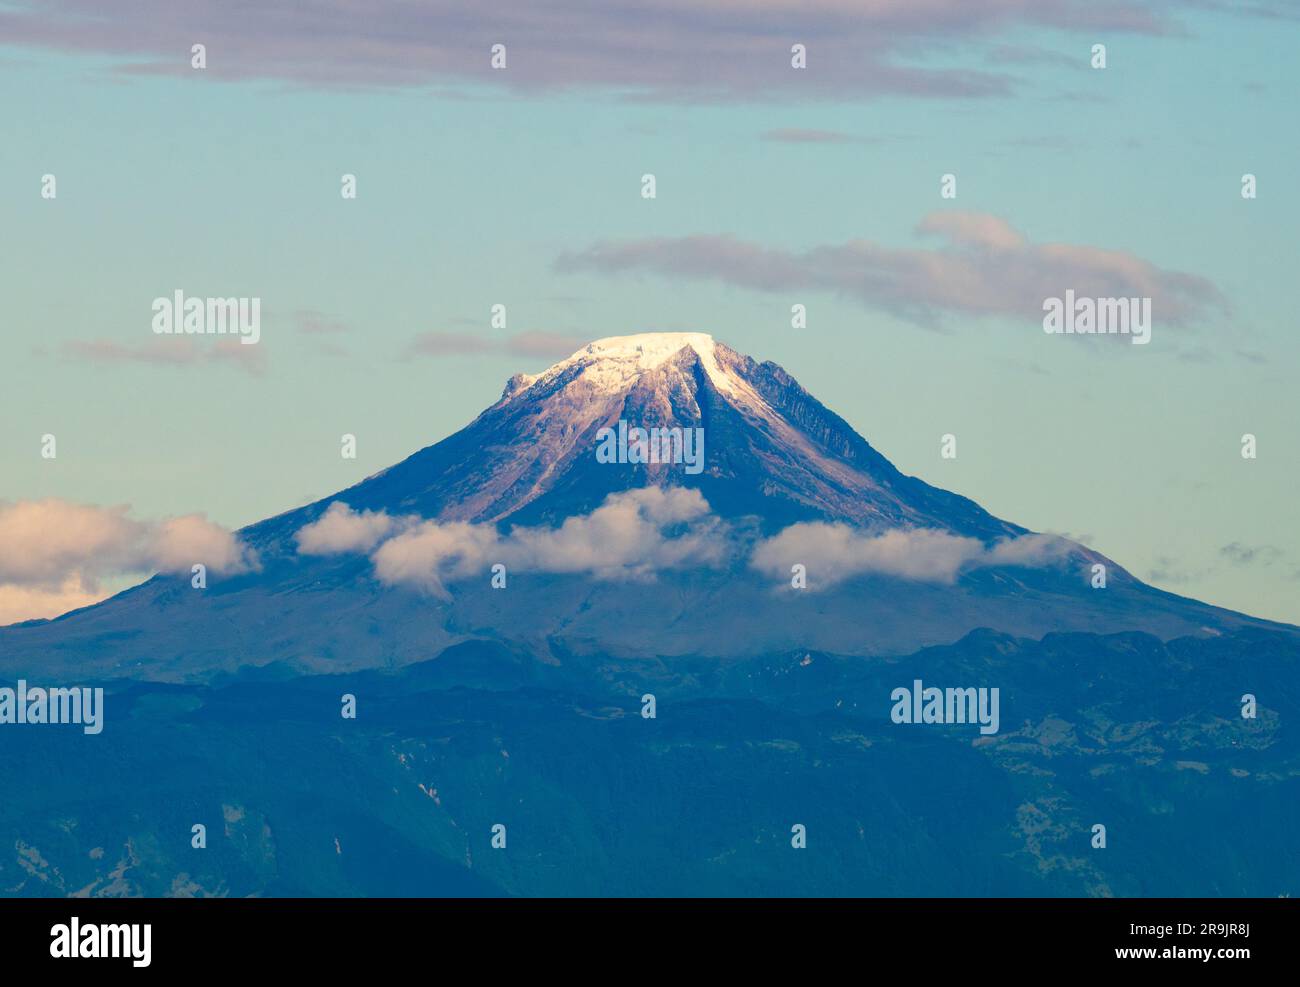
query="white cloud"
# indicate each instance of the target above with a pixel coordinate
(53, 550)
(835, 552)
(636, 534)
(624, 537)
(632, 535)
(176, 544)
(341, 529)
(1029, 550)
(19, 603)
(43, 541)
(432, 552)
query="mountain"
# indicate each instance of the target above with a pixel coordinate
(775, 459)
(773, 449)
(1166, 721)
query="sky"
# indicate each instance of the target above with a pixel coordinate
(775, 186)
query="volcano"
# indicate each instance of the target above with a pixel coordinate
(892, 563)
(650, 676)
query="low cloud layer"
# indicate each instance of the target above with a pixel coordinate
(664, 49)
(53, 551)
(638, 533)
(982, 266)
(832, 553)
(631, 536)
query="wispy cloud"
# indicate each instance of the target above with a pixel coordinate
(1283, 10)
(982, 267)
(544, 344)
(315, 323)
(450, 344)
(184, 351)
(1245, 555)
(795, 135)
(1168, 571)
(665, 49)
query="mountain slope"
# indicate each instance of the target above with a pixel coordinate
(522, 707)
(772, 449)
(774, 457)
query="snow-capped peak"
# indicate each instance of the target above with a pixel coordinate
(613, 363)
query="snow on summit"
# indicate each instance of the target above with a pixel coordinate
(614, 362)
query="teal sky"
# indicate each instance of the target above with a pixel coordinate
(469, 193)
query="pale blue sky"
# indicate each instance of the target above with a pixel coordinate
(468, 197)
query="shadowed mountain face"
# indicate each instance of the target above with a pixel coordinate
(525, 707)
(773, 457)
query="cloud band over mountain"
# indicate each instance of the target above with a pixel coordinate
(632, 535)
(637, 533)
(833, 553)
